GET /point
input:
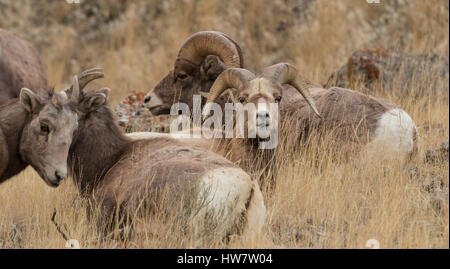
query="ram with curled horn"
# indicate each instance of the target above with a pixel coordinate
(261, 92)
(201, 59)
(351, 116)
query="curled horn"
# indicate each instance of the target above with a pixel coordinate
(241, 56)
(205, 43)
(231, 78)
(285, 73)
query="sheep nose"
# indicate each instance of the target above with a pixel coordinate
(147, 99)
(60, 176)
(263, 119)
(263, 115)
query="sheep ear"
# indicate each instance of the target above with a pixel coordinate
(95, 99)
(105, 91)
(212, 66)
(29, 100)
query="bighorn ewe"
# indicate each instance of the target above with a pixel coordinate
(200, 60)
(20, 67)
(36, 129)
(123, 175)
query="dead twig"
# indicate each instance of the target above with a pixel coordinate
(57, 226)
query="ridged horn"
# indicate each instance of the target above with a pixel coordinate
(285, 73)
(241, 55)
(89, 75)
(205, 43)
(82, 80)
(231, 78)
(75, 89)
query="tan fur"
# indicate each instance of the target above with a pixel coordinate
(20, 67)
(353, 117)
(4, 153)
(350, 111)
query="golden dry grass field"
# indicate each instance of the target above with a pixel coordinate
(318, 202)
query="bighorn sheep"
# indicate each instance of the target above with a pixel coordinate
(120, 175)
(36, 129)
(200, 60)
(350, 115)
(20, 67)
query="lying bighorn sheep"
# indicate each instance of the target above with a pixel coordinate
(36, 130)
(120, 175)
(200, 60)
(350, 115)
(20, 67)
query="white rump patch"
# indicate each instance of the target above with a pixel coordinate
(394, 136)
(256, 213)
(221, 187)
(224, 193)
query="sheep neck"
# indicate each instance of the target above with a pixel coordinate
(97, 146)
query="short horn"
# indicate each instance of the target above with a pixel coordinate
(58, 99)
(205, 43)
(89, 75)
(75, 92)
(236, 78)
(83, 79)
(285, 73)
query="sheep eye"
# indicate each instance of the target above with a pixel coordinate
(278, 99)
(44, 128)
(181, 76)
(241, 100)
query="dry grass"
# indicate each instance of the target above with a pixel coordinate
(318, 202)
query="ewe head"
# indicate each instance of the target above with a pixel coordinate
(46, 140)
(47, 137)
(260, 93)
(200, 60)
